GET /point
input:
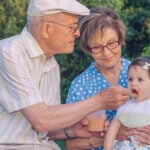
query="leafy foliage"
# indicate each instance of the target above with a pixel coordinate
(71, 65)
(135, 14)
(13, 13)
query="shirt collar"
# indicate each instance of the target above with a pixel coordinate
(35, 51)
(33, 47)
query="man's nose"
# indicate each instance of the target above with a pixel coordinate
(77, 33)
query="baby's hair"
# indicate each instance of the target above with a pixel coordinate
(143, 62)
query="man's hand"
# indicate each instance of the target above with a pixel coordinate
(84, 143)
(113, 97)
(85, 139)
(80, 129)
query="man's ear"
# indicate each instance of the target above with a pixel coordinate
(46, 29)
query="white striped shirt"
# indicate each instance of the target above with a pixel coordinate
(26, 78)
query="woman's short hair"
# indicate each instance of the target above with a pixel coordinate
(95, 24)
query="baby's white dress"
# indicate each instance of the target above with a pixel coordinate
(133, 115)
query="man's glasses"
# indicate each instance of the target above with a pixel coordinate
(73, 28)
(110, 46)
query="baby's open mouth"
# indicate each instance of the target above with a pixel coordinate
(134, 93)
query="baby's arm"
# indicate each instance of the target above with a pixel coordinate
(111, 134)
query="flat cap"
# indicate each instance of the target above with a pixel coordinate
(47, 7)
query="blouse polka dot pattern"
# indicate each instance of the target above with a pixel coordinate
(91, 82)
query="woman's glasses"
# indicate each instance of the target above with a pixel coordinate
(110, 46)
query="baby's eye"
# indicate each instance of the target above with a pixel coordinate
(140, 79)
(130, 79)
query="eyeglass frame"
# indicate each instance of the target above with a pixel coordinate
(71, 28)
(103, 47)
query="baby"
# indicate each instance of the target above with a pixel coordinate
(136, 112)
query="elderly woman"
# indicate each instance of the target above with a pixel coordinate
(102, 36)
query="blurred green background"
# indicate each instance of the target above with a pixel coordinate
(135, 14)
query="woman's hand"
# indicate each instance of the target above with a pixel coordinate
(143, 135)
(124, 132)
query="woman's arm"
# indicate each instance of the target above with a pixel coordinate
(111, 134)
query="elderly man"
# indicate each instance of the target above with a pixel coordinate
(31, 115)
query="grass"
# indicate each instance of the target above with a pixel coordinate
(61, 144)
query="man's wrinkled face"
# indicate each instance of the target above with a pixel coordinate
(62, 34)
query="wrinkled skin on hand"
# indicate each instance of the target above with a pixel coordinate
(90, 139)
(96, 141)
(84, 143)
(113, 97)
(80, 129)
